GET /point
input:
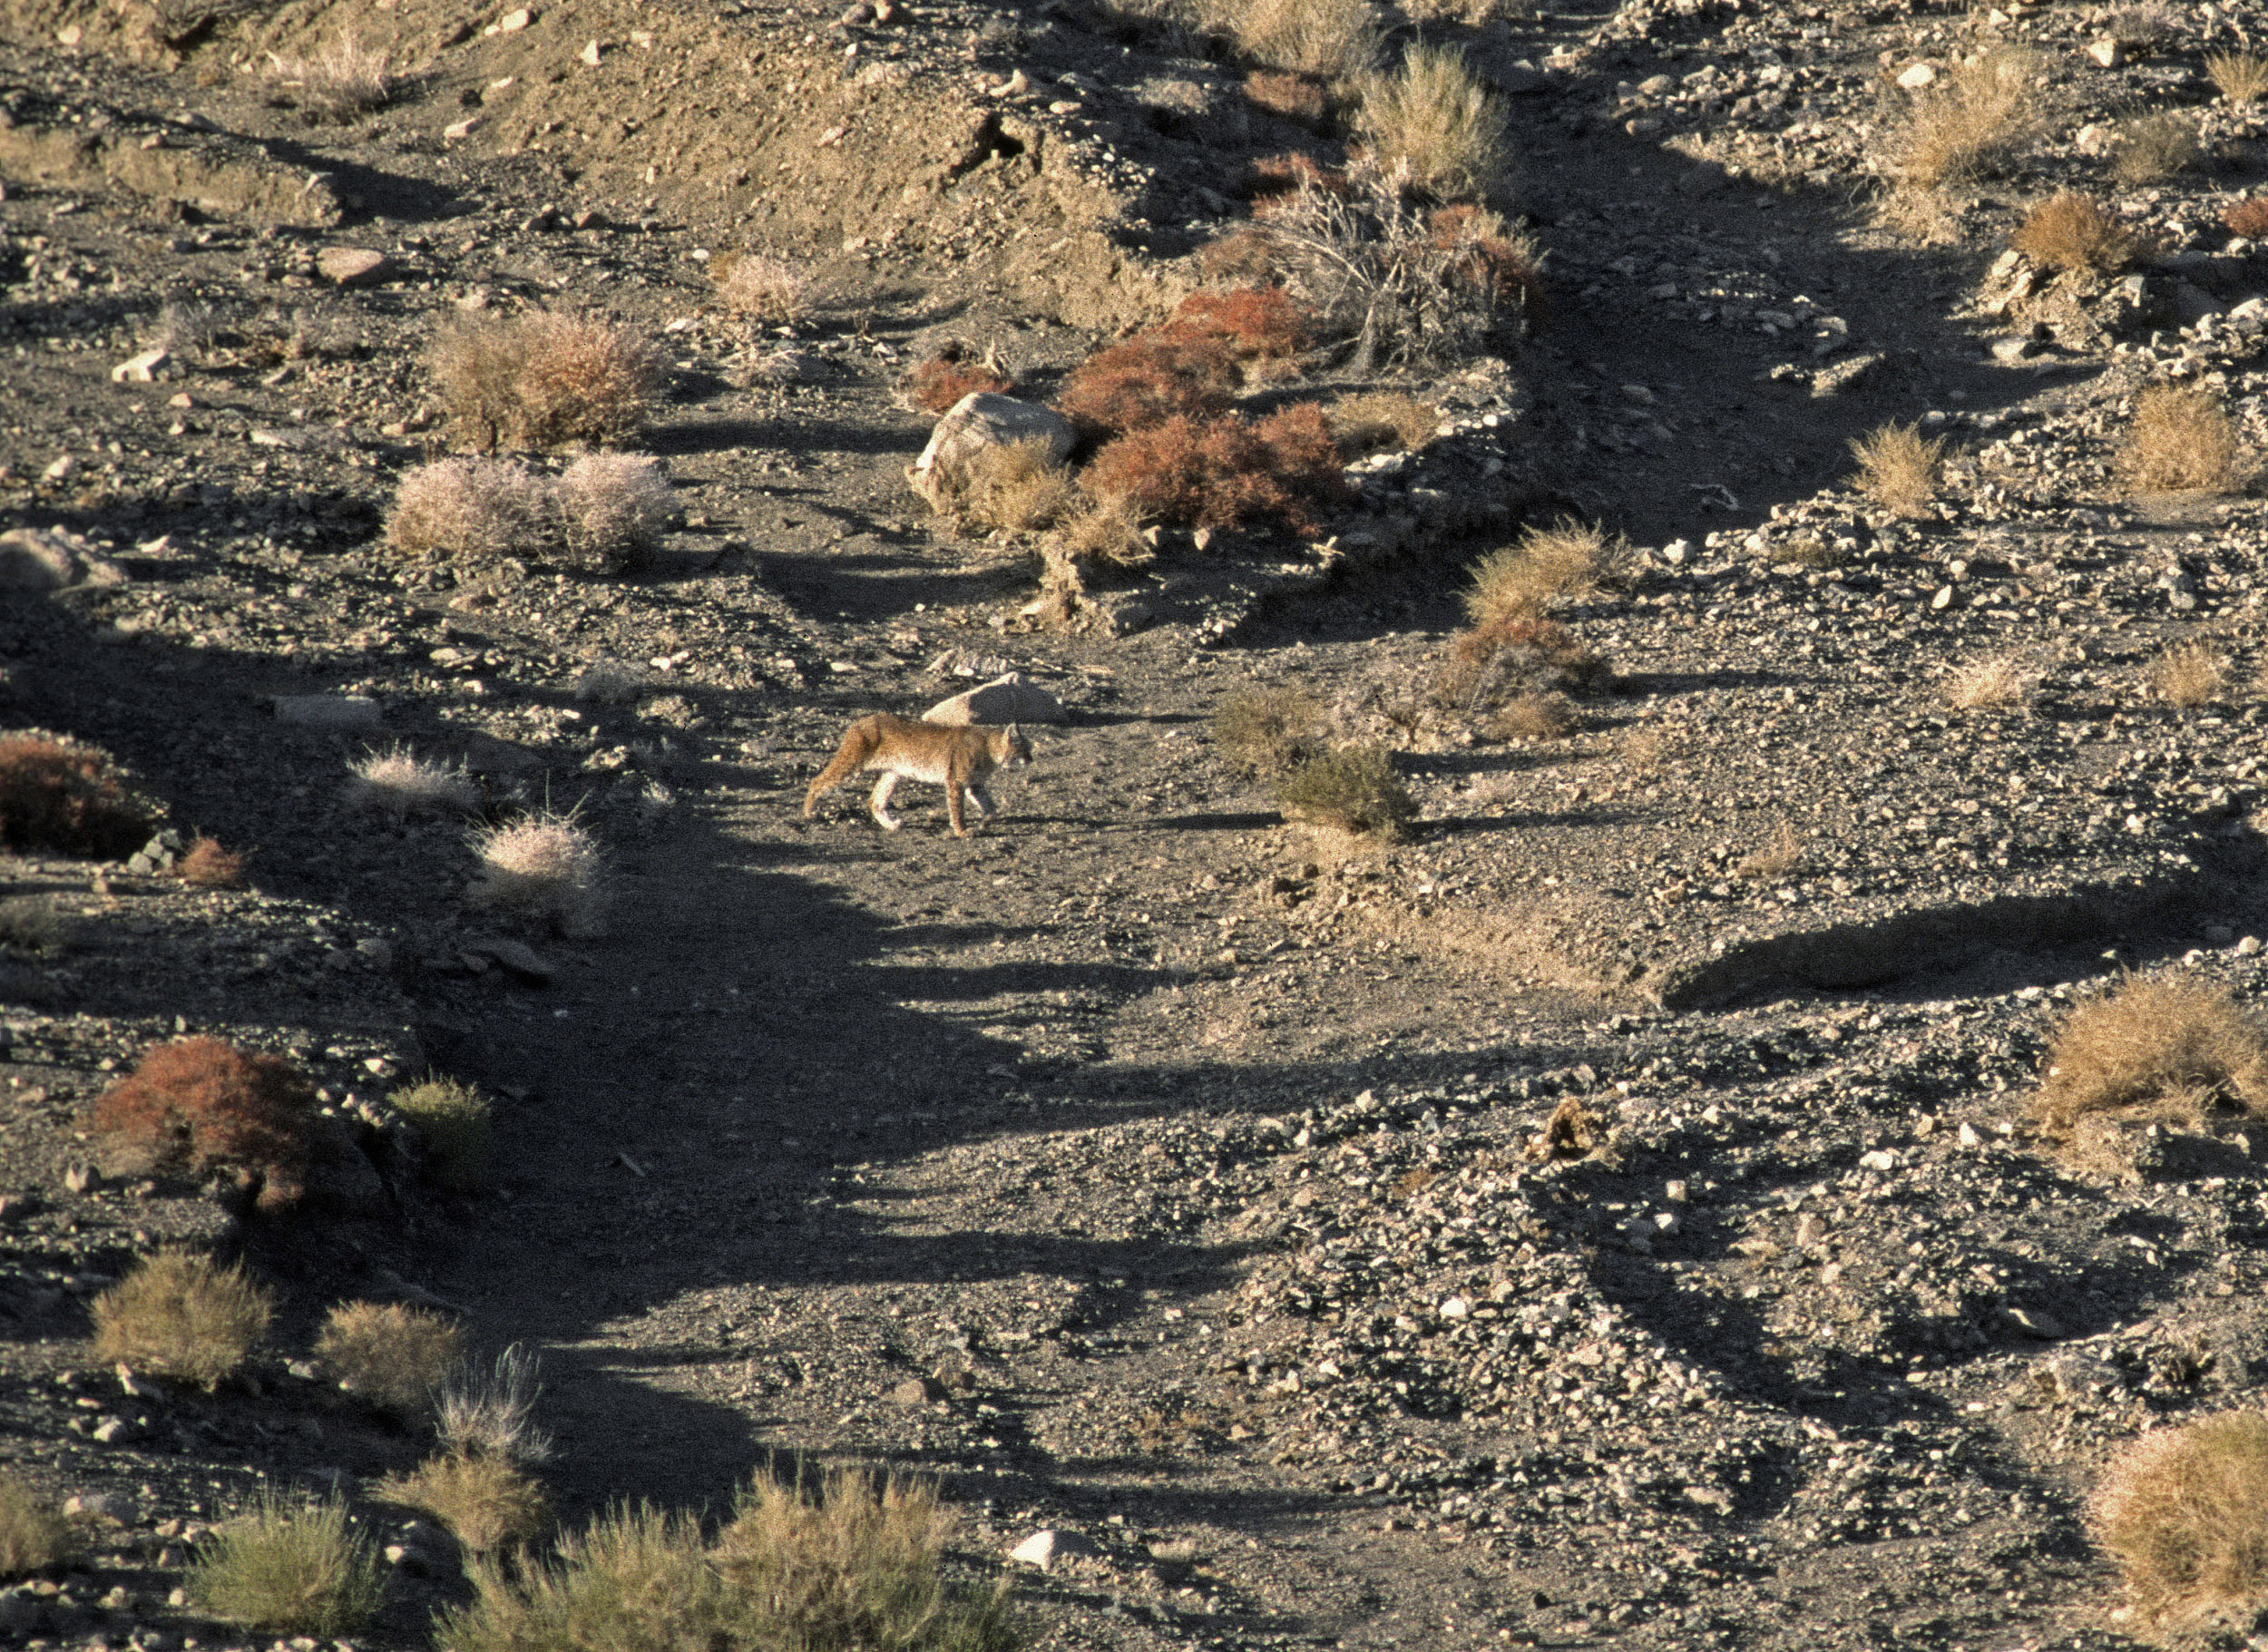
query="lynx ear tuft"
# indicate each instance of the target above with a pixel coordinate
(1016, 729)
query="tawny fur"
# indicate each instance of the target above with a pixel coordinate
(960, 759)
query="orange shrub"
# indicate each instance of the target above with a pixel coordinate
(1148, 380)
(64, 800)
(935, 386)
(2248, 217)
(1272, 177)
(1301, 99)
(1224, 473)
(1485, 260)
(208, 866)
(1254, 323)
(199, 1103)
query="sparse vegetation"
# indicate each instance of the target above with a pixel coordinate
(298, 1569)
(1226, 472)
(32, 923)
(1436, 123)
(1382, 421)
(486, 1501)
(1103, 534)
(183, 1316)
(1972, 120)
(199, 1104)
(1148, 380)
(937, 383)
(344, 81)
(2184, 1511)
(1251, 323)
(2241, 77)
(612, 683)
(1898, 468)
(1355, 789)
(208, 866)
(543, 869)
(760, 286)
(612, 509)
(472, 511)
(2155, 147)
(2247, 218)
(1012, 488)
(399, 783)
(853, 1567)
(1332, 39)
(1567, 559)
(548, 378)
(2189, 675)
(65, 800)
(1301, 99)
(1989, 684)
(2182, 440)
(2071, 232)
(2169, 1046)
(1774, 860)
(453, 1119)
(1268, 732)
(33, 1536)
(391, 1355)
(1510, 674)
(489, 1410)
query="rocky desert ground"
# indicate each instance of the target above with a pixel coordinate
(1612, 1208)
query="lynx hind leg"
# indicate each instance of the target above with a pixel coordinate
(983, 800)
(880, 803)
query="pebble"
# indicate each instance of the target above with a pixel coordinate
(1043, 1548)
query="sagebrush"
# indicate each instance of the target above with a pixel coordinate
(485, 1500)
(33, 1536)
(1898, 468)
(65, 800)
(1268, 732)
(546, 379)
(2171, 1046)
(1438, 124)
(181, 1315)
(2073, 232)
(2182, 440)
(1355, 789)
(1566, 557)
(1973, 120)
(391, 1353)
(453, 1119)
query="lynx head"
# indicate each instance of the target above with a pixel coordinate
(1010, 747)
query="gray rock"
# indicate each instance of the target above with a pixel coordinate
(916, 1392)
(138, 369)
(342, 711)
(1012, 699)
(353, 266)
(100, 1506)
(982, 420)
(33, 558)
(516, 956)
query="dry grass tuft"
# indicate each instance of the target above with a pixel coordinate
(1383, 421)
(2241, 77)
(391, 1355)
(472, 511)
(1988, 684)
(208, 866)
(2070, 231)
(546, 379)
(2167, 1047)
(181, 1315)
(760, 286)
(2182, 440)
(1567, 559)
(612, 509)
(1437, 123)
(545, 869)
(2189, 675)
(1531, 717)
(486, 1501)
(33, 923)
(1268, 732)
(1972, 120)
(342, 81)
(1774, 860)
(1508, 674)
(1898, 468)
(200, 1104)
(288, 1569)
(33, 1536)
(1105, 534)
(399, 783)
(65, 800)
(453, 1119)
(1330, 39)
(490, 1412)
(1226, 472)
(1301, 99)
(851, 1567)
(612, 683)
(1355, 789)
(1014, 487)
(2152, 148)
(938, 383)
(2185, 1512)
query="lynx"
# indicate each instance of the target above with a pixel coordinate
(959, 759)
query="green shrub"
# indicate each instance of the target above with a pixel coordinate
(180, 1315)
(33, 1536)
(390, 1353)
(453, 1119)
(1356, 790)
(297, 1568)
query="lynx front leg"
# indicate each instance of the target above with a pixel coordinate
(983, 800)
(880, 803)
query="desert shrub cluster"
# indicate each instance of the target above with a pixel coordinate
(2182, 439)
(342, 81)
(488, 1410)
(2184, 1511)
(604, 514)
(2073, 232)
(545, 379)
(392, 1354)
(938, 381)
(1270, 732)
(1224, 473)
(65, 800)
(200, 1104)
(1434, 122)
(1973, 120)
(33, 1536)
(183, 1316)
(1898, 468)
(453, 1119)
(487, 1501)
(290, 1567)
(1566, 558)
(760, 285)
(1355, 789)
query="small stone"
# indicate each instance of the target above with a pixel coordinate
(2108, 53)
(591, 53)
(60, 469)
(79, 1177)
(2046, 1327)
(137, 370)
(112, 1429)
(1969, 1137)
(2249, 946)
(342, 711)
(461, 129)
(1043, 1548)
(513, 20)
(1454, 1308)
(1916, 77)
(100, 1506)
(1943, 600)
(917, 1392)
(1012, 699)
(517, 957)
(31, 560)
(2009, 350)
(352, 266)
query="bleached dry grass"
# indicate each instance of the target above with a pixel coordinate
(341, 81)
(1898, 468)
(180, 1315)
(1973, 120)
(2071, 232)
(2189, 675)
(1436, 121)
(614, 510)
(471, 510)
(2184, 1511)
(549, 379)
(760, 286)
(399, 783)
(2182, 440)
(545, 869)
(2241, 77)
(487, 1502)
(1995, 682)
(2171, 1046)
(489, 1410)
(1569, 558)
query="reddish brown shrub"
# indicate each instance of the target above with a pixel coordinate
(1301, 99)
(1226, 472)
(935, 386)
(1254, 323)
(1272, 176)
(2248, 217)
(1485, 259)
(201, 1103)
(1244, 254)
(64, 800)
(1148, 380)
(208, 866)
